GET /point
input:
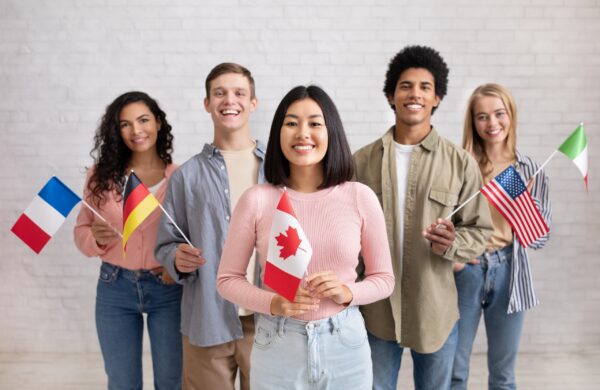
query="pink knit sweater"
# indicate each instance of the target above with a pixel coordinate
(340, 222)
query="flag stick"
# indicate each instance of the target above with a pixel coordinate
(174, 224)
(101, 217)
(463, 205)
(543, 165)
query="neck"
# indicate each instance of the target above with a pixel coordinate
(147, 160)
(305, 179)
(411, 135)
(498, 153)
(236, 140)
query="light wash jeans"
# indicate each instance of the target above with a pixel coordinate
(332, 353)
(122, 297)
(431, 371)
(485, 288)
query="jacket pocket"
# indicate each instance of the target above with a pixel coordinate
(442, 202)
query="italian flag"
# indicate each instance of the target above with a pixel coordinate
(576, 148)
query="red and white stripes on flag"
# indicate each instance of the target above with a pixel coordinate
(509, 195)
(289, 251)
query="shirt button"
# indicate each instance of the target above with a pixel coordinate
(227, 217)
(222, 166)
(226, 191)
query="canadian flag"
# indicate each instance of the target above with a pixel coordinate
(289, 251)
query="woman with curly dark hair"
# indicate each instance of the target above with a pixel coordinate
(133, 135)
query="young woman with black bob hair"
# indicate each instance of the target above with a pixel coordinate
(318, 340)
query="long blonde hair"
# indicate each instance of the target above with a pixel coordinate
(472, 142)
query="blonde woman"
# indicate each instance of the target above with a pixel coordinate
(498, 283)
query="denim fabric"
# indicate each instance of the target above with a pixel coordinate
(485, 288)
(332, 353)
(431, 371)
(122, 299)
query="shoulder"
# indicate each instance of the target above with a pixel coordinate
(367, 151)
(527, 161)
(362, 193)
(456, 153)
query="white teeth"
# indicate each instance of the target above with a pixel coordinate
(414, 106)
(495, 131)
(304, 147)
(230, 112)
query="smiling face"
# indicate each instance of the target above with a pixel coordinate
(414, 98)
(139, 127)
(230, 102)
(303, 136)
(491, 120)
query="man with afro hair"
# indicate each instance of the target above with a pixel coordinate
(420, 178)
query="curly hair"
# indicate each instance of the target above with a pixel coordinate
(417, 57)
(111, 155)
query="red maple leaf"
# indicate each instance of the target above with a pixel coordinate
(289, 244)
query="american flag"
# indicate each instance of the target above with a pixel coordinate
(509, 195)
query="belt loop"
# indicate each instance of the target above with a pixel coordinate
(280, 326)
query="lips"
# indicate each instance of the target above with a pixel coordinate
(139, 140)
(230, 112)
(413, 107)
(303, 148)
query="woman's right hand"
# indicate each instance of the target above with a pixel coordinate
(303, 303)
(457, 267)
(103, 233)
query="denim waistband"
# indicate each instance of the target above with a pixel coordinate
(325, 325)
(128, 273)
(499, 255)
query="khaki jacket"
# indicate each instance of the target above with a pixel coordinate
(423, 307)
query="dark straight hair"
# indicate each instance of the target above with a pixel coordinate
(338, 166)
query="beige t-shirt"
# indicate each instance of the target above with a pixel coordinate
(242, 169)
(502, 235)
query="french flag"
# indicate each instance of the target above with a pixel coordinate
(289, 251)
(45, 214)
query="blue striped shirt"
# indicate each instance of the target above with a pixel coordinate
(522, 294)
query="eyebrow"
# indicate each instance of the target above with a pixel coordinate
(418, 82)
(485, 113)
(297, 117)
(139, 117)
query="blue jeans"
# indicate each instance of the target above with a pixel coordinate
(485, 288)
(332, 353)
(122, 298)
(431, 371)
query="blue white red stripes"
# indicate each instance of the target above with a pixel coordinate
(46, 214)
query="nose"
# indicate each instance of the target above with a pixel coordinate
(303, 131)
(137, 127)
(229, 96)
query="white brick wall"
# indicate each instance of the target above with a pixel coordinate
(63, 61)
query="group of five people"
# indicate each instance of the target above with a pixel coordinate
(375, 220)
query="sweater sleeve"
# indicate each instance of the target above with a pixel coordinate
(241, 238)
(82, 232)
(378, 282)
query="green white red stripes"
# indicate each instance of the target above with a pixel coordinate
(576, 148)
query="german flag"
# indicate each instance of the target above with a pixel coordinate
(138, 204)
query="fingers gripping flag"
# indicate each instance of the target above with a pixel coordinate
(509, 195)
(138, 204)
(46, 214)
(289, 251)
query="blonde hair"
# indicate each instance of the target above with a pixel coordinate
(472, 142)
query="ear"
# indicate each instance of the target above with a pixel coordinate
(253, 104)
(437, 101)
(206, 103)
(158, 124)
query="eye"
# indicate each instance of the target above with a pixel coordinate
(316, 124)
(123, 125)
(290, 124)
(144, 120)
(218, 93)
(240, 94)
(481, 118)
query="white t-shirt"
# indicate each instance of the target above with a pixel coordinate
(402, 157)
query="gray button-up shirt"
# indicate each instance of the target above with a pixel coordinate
(198, 200)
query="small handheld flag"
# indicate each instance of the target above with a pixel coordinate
(575, 147)
(289, 251)
(138, 204)
(46, 214)
(509, 195)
